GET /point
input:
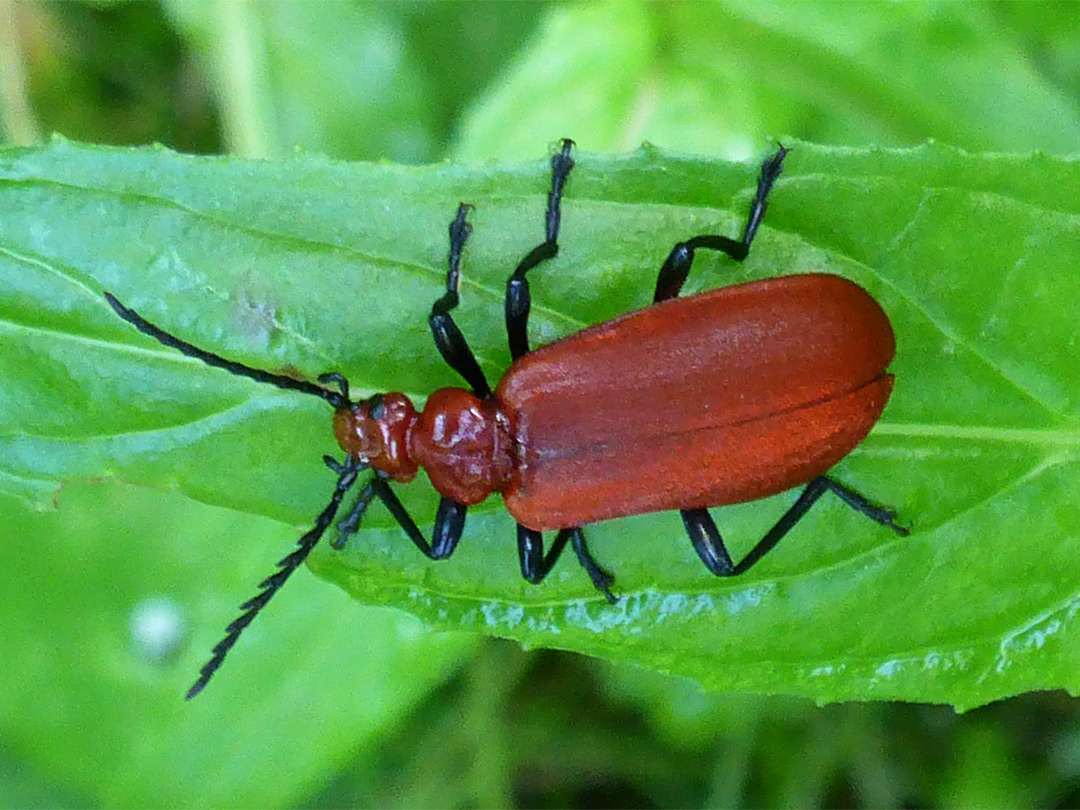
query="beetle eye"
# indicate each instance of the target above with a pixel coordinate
(376, 408)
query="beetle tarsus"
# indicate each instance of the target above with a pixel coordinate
(676, 267)
(601, 579)
(350, 462)
(536, 565)
(878, 514)
(770, 171)
(518, 300)
(561, 166)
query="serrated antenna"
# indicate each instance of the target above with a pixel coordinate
(347, 473)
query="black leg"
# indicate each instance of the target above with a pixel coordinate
(448, 338)
(601, 579)
(518, 299)
(886, 517)
(347, 473)
(770, 171)
(707, 542)
(535, 565)
(677, 265)
(351, 524)
(449, 522)
(710, 547)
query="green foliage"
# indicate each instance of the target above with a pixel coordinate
(719, 77)
(80, 678)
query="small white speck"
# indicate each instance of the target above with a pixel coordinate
(157, 628)
(410, 628)
(513, 615)
(672, 603)
(889, 668)
(751, 597)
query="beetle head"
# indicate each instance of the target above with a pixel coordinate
(376, 431)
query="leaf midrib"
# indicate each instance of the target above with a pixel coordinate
(1040, 437)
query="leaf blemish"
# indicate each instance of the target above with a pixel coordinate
(496, 613)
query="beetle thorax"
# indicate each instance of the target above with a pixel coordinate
(464, 444)
(376, 431)
(462, 441)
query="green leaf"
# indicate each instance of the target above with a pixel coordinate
(312, 265)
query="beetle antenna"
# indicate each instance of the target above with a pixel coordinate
(337, 400)
(272, 584)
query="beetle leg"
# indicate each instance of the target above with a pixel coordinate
(448, 338)
(535, 565)
(770, 171)
(814, 490)
(449, 522)
(600, 578)
(707, 541)
(676, 267)
(518, 298)
(878, 514)
(351, 523)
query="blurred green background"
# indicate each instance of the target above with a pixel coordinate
(387, 715)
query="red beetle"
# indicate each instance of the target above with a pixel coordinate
(714, 399)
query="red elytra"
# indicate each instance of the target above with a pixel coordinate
(724, 397)
(695, 402)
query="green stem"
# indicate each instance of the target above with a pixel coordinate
(240, 62)
(17, 120)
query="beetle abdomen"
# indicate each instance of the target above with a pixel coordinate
(728, 396)
(699, 468)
